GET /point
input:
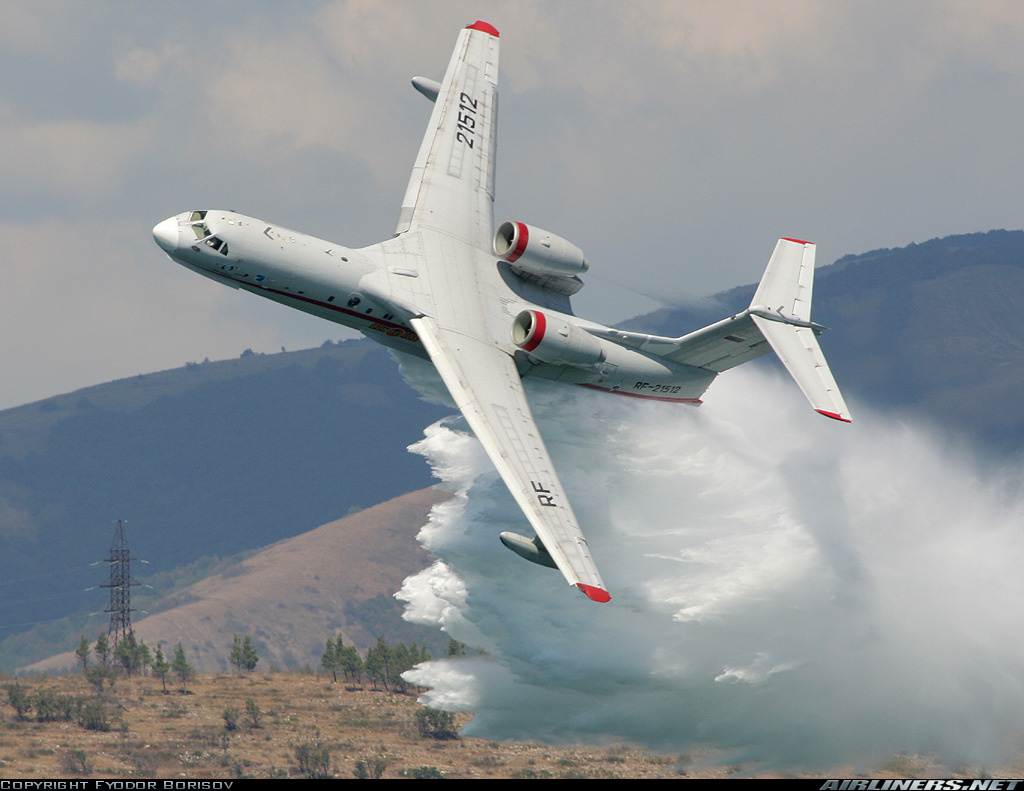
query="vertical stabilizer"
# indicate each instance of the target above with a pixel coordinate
(789, 280)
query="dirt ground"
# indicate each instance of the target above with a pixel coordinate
(309, 726)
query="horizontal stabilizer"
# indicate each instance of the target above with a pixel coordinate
(798, 349)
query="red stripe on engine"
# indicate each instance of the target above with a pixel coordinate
(537, 335)
(521, 242)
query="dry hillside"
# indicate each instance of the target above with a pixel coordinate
(293, 595)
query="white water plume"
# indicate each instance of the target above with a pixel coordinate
(791, 589)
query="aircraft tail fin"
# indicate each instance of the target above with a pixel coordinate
(778, 319)
(781, 310)
(788, 281)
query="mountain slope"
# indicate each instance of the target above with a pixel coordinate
(933, 329)
(209, 460)
(293, 595)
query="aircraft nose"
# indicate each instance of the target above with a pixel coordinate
(166, 234)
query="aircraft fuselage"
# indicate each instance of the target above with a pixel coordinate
(378, 289)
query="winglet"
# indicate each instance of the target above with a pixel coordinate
(594, 593)
(486, 28)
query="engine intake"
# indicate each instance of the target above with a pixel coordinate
(554, 340)
(538, 251)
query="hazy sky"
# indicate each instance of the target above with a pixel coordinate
(672, 141)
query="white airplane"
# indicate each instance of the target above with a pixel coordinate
(488, 309)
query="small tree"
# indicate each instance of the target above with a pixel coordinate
(161, 667)
(181, 668)
(20, 699)
(252, 711)
(351, 663)
(378, 662)
(102, 648)
(83, 651)
(455, 648)
(250, 657)
(329, 660)
(133, 655)
(142, 656)
(235, 656)
(243, 656)
(123, 655)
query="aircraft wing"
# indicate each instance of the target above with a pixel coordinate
(452, 184)
(486, 386)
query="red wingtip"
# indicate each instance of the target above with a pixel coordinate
(594, 593)
(798, 241)
(833, 415)
(478, 25)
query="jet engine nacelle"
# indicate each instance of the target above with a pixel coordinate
(537, 251)
(554, 340)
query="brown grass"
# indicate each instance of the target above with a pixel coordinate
(175, 735)
(179, 735)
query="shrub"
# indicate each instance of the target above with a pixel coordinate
(75, 763)
(434, 724)
(424, 773)
(373, 769)
(230, 716)
(93, 716)
(314, 759)
(252, 711)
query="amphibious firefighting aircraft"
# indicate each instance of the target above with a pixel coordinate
(488, 308)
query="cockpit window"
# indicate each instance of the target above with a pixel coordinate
(200, 230)
(218, 244)
(197, 216)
